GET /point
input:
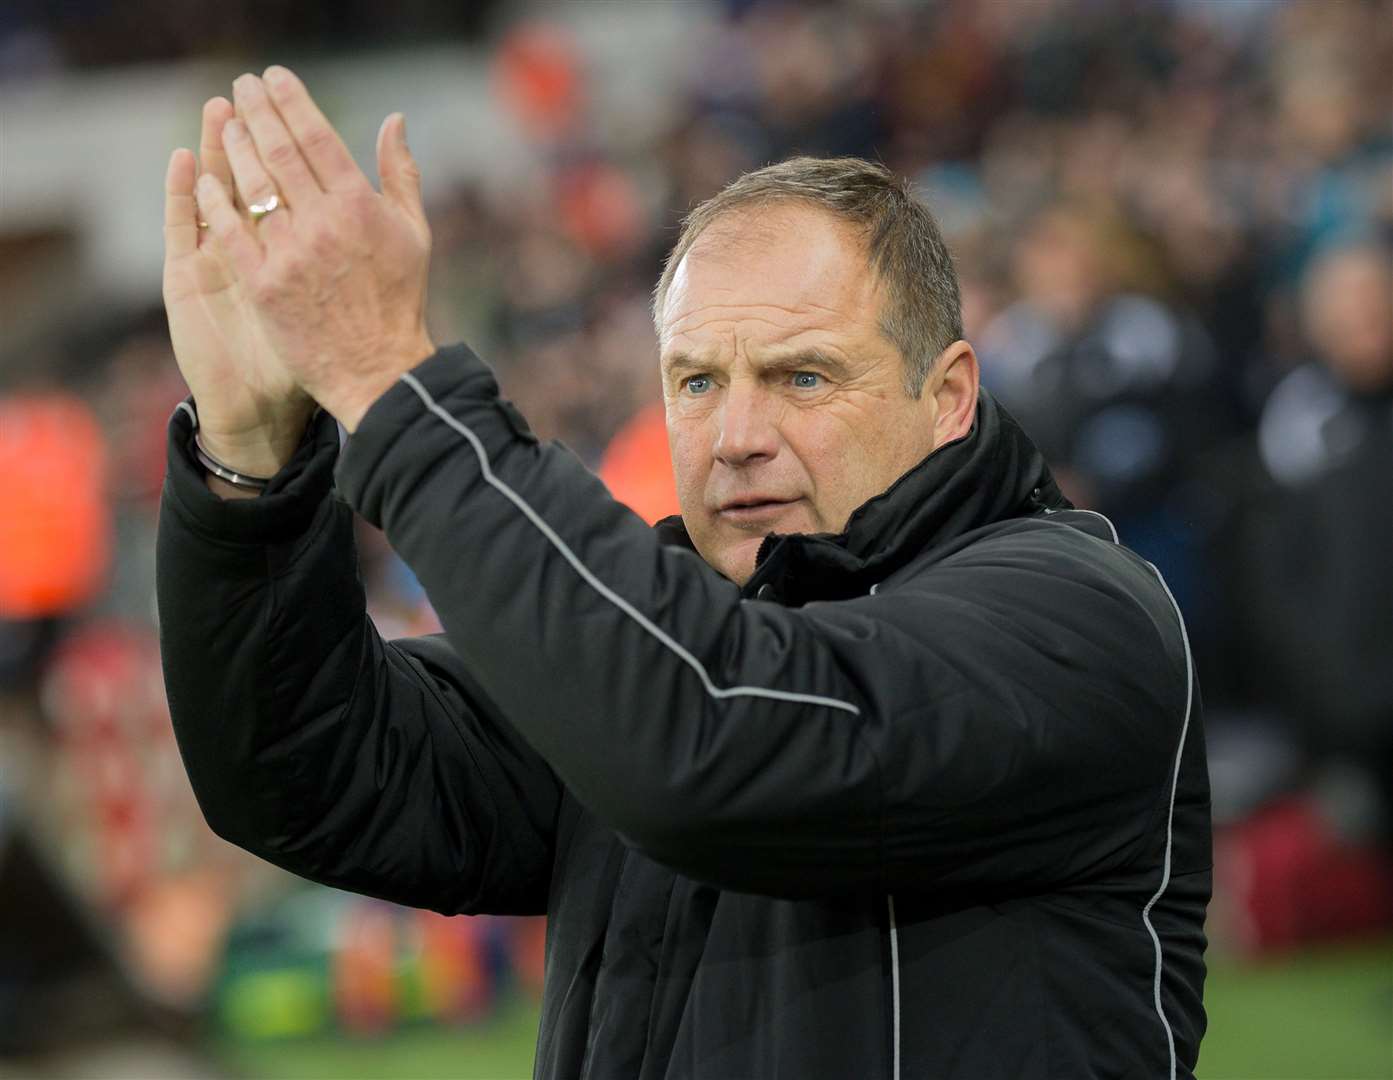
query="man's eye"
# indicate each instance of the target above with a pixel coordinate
(806, 380)
(697, 384)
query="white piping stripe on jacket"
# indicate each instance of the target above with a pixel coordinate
(894, 962)
(1111, 528)
(1170, 819)
(1175, 783)
(604, 590)
(894, 980)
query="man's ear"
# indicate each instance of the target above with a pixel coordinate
(955, 392)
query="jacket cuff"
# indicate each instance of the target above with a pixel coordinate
(279, 514)
(404, 431)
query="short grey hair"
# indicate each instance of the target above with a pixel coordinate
(904, 246)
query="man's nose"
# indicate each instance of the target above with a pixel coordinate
(748, 429)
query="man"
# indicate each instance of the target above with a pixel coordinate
(880, 762)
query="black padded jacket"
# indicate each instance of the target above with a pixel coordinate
(926, 799)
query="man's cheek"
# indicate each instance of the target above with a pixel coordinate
(686, 456)
(692, 477)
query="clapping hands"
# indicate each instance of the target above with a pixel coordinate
(320, 300)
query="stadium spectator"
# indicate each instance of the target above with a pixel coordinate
(1312, 580)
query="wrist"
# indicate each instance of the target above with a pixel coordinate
(352, 402)
(224, 490)
(261, 451)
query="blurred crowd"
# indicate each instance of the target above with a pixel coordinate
(44, 37)
(1174, 228)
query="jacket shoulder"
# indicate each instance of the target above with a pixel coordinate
(1063, 572)
(1070, 545)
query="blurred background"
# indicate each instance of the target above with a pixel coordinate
(1173, 221)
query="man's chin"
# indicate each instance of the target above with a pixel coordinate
(738, 554)
(738, 561)
(731, 548)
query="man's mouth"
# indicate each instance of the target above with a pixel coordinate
(752, 511)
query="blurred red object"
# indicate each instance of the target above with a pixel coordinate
(1287, 879)
(637, 466)
(600, 209)
(529, 954)
(455, 982)
(55, 523)
(119, 778)
(537, 74)
(364, 970)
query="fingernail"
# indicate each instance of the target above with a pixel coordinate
(234, 130)
(275, 74)
(403, 128)
(243, 82)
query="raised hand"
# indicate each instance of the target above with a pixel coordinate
(336, 274)
(251, 410)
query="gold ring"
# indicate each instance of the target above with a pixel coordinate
(259, 210)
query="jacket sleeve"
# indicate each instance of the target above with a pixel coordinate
(375, 766)
(993, 721)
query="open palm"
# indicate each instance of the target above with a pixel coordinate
(249, 405)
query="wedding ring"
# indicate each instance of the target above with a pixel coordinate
(259, 210)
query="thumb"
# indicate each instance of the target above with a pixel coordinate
(399, 173)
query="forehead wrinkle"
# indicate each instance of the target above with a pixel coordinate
(777, 356)
(730, 347)
(716, 277)
(801, 305)
(745, 313)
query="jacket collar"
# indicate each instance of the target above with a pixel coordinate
(991, 474)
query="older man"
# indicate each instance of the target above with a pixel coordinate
(880, 762)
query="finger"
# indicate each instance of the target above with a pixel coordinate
(211, 156)
(253, 181)
(274, 145)
(180, 208)
(316, 137)
(401, 176)
(232, 235)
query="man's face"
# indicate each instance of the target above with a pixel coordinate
(786, 407)
(1348, 301)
